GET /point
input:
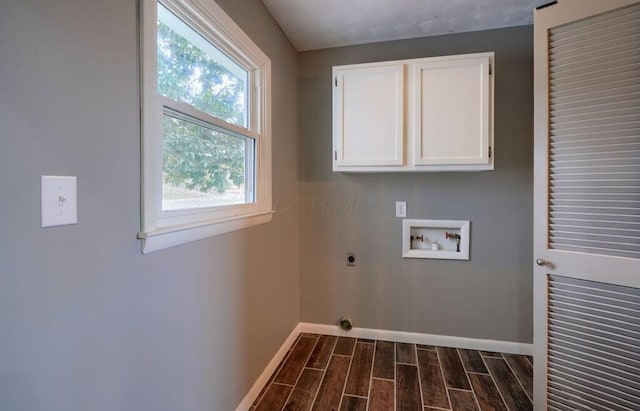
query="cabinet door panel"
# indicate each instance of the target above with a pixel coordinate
(369, 116)
(451, 112)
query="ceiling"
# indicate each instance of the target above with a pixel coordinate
(317, 24)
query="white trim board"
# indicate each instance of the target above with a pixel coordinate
(508, 347)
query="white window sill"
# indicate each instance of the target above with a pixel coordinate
(162, 238)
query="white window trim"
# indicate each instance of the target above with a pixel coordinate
(163, 229)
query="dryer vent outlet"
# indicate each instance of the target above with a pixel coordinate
(345, 323)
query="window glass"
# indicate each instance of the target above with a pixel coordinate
(204, 166)
(194, 71)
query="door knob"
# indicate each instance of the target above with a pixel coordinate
(541, 262)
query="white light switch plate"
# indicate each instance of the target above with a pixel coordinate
(59, 200)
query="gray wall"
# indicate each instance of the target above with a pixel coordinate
(489, 296)
(86, 321)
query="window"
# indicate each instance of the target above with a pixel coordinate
(205, 125)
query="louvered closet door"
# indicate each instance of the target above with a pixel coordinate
(587, 206)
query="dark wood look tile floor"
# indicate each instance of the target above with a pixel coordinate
(327, 373)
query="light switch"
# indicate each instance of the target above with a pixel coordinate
(59, 200)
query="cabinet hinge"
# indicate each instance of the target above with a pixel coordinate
(335, 155)
(490, 69)
(336, 81)
(489, 151)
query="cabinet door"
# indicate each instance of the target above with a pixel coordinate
(451, 113)
(368, 116)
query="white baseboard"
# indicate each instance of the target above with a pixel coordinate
(263, 378)
(419, 338)
(385, 335)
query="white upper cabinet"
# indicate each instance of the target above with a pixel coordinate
(450, 121)
(362, 94)
(437, 117)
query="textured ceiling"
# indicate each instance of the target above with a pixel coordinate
(316, 24)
